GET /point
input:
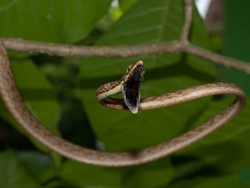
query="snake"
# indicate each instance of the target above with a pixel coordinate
(129, 85)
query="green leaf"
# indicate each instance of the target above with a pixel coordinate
(226, 148)
(147, 22)
(236, 34)
(230, 181)
(49, 20)
(37, 94)
(245, 175)
(13, 172)
(39, 164)
(154, 174)
(148, 175)
(162, 21)
(126, 4)
(85, 175)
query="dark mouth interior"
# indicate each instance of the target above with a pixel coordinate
(132, 88)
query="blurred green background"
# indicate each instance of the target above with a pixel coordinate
(61, 93)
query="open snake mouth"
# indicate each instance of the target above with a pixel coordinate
(131, 89)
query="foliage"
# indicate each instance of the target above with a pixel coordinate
(61, 93)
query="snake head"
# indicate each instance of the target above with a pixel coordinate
(131, 86)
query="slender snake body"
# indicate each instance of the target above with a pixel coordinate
(32, 126)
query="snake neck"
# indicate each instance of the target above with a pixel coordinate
(109, 89)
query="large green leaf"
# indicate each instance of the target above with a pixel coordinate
(126, 4)
(227, 148)
(13, 172)
(236, 34)
(230, 181)
(49, 20)
(148, 175)
(38, 164)
(37, 94)
(147, 21)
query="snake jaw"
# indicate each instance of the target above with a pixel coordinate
(131, 93)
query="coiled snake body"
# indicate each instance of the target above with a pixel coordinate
(129, 85)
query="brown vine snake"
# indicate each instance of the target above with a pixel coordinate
(24, 117)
